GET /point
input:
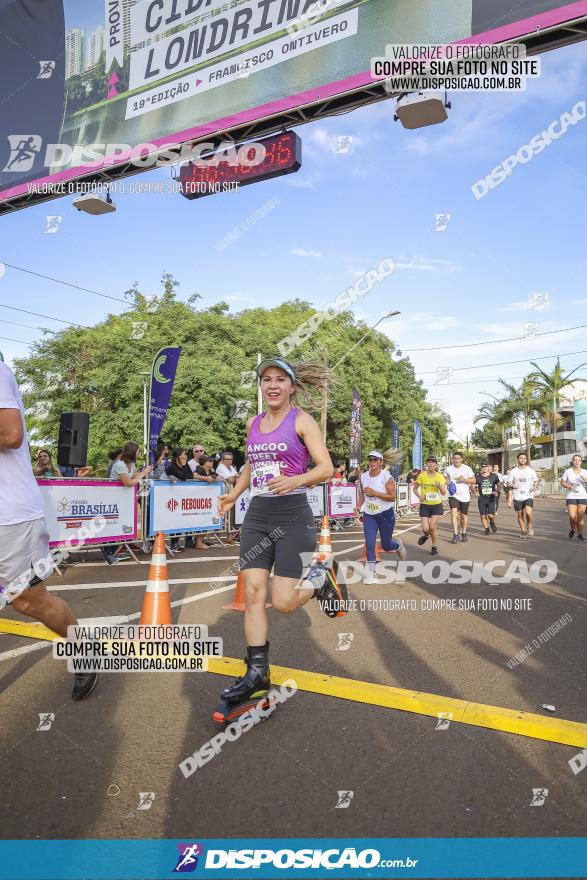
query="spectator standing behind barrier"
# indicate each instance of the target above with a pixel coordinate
(206, 468)
(339, 475)
(338, 478)
(113, 457)
(159, 471)
(194, 462)
(226, 470)
(124, 470)
(162, 452)
(354, 475)
(179, 469)
(44, 466)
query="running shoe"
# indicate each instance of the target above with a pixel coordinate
(84, 684)
(423, 538)
(522, 534)
(115, 559)
(487, 532)
(464, 537)
(401, 551)
(580, 538)
(493, 527)
(368, 578)
(571, 534)
(434, 551)
(314, 577)
(455, 539)
(530, 532)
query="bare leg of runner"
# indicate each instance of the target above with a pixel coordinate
(580, 516)
(49, 609)
(434, 529)
(573, 518)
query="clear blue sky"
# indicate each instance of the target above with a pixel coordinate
(340, 215)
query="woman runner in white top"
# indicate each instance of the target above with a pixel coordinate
(574, 480)
(376, 489)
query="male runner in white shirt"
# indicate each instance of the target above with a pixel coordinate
(523, 479)
(25, 559)
(463, 477)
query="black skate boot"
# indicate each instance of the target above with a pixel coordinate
(248, 689)
(329, 588)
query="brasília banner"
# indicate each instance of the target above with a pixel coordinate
(98, 84)
(355, 432)
(395, 469)
(162, 380)
(417, 447)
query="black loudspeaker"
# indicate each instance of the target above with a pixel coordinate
(74, 428)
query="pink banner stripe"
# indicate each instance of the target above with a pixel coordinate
(97, 482)
(528, 26)
(349, 84)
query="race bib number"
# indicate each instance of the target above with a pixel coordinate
(432, 496)
(486, 490)
(261, 475)
(522, 492)
(372, 507)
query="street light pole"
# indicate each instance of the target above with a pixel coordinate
(389, 315)
(324, 401)
(146, 376)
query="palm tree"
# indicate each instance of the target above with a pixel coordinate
(550, 385)
(501, 416)
(527, 400)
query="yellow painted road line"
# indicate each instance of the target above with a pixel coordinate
(559, 730)
(28, 630)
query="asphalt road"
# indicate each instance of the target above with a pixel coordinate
(83, 777)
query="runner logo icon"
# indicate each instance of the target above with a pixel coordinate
(24, 149)
(187, 860)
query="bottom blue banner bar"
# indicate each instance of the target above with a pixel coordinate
(518, 857)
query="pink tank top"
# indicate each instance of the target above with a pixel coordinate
(282, 447)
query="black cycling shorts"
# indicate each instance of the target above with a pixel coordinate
(275, 532)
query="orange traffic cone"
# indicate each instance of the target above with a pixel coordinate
(156, 604)
(364, 556)
(238, 603)
(325, 543)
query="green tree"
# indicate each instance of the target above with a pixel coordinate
(550, 384)
(487, 437)
(528, 401)
(98, 370)
(498, 417)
